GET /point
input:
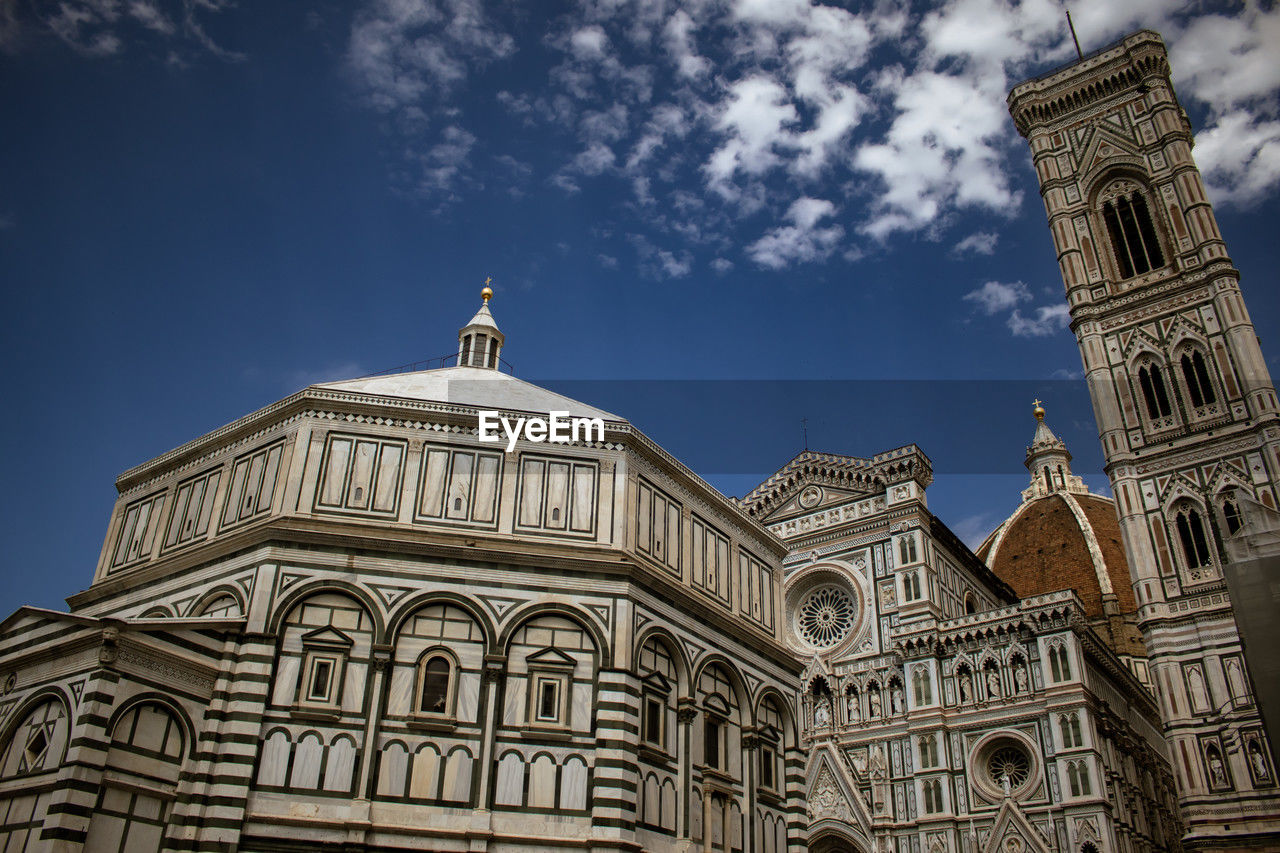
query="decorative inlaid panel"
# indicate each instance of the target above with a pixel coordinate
(253, 484)
(709, 559)
(557, 495)
(658, 526)
(138, 531)
(361, 474)
(192, 509)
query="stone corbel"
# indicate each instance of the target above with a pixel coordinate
(495, 668)
(109, 651)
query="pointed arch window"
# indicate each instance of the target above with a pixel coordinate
(911, 586)
(1195, 545)
(1231, 514)
(1070, 726)
(1154, 393)
(1196, 375)
(923, 687)
(928, 751)
(1059, 663)
(1078, 778)
(932, 796)
(1132, 233)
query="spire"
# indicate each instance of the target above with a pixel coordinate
(480, 341)
(1049, 462)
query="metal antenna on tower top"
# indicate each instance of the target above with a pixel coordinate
(1072, 27)
(804, 427)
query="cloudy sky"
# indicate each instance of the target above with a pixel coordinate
(718, 218)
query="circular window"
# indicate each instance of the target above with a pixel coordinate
(826, 616)
(1009, 765)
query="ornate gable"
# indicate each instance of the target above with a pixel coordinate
(812, 481)
(1013, 833)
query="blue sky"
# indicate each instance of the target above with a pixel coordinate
(813, 211)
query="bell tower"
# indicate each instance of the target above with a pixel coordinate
(1186, 410)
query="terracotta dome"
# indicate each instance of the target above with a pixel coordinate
(1062, 540)
(1062, 536)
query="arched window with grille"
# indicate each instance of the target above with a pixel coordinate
(1191, 535)
(1131, 230)
(1196, 376)
(1154, 393)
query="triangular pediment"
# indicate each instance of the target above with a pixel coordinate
(326, 636)
(1013, 833)
(807, 497)
(833, 793)
(1108, 144)
(550, 657)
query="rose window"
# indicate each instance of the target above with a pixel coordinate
(826, 616)
(1009, 762)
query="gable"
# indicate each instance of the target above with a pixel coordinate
(806, 496)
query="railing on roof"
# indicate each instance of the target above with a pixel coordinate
(450, 360)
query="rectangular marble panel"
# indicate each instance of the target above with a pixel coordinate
(435, 467)
(458, 496)
(532, 474)
(485, 503)
(138, 530)
(557, 511)
(361, 482)
(386, 493)
(334, 483)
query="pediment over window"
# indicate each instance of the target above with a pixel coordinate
(327, 636)
(551, 657)
(657, 683)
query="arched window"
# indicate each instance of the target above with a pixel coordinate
(928, 751)
(1078, 779)
(1196, 375)
(1154, 393)
(911, 586)
(970, 605)
(1195, 545)
(1059, 663)
(1231, 514)
(1132, 233)
(435, 685)
(923, 686)
(907, 549)
(932, 796)
(1048, 483)
(1070, 726)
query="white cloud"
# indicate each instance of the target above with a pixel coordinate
(803, 240)
(1240, 158)
(1044, 321)
(589, 43)
(979, 243)
(403, 50)
(942, 151)
(678, 34)
(721, 266)
(997, 296)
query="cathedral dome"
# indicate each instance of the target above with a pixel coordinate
(1063, 537)
(1063, 540)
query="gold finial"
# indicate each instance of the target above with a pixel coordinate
(487, 293)
(1038, 411)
